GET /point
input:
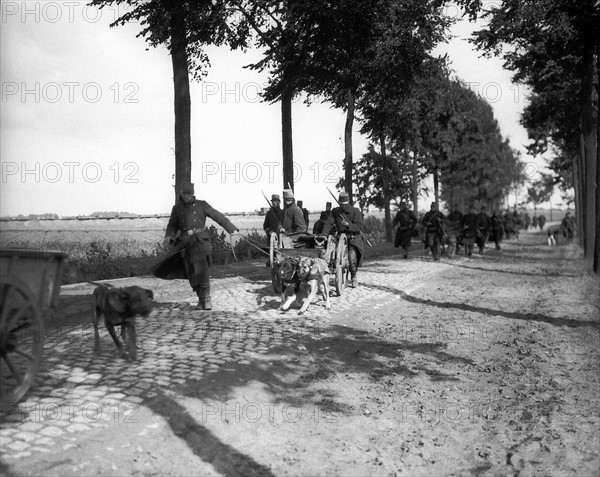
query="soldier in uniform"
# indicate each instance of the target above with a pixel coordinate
(433, 221)
(406, 220)
(349, 220)
(542, 221)
(484, 225)
(274, 217)
(469, 227)
(304, 213)
(453, 229)
(293, 223)
(568, 226)
(187, 232)
(496, 229)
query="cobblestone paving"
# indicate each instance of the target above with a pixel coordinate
(78, 391)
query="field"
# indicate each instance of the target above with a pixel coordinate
(127, 236)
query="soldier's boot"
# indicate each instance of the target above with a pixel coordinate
(199, 293)
(205, 292)
(353, 280)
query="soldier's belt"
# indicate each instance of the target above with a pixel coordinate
(195, 231)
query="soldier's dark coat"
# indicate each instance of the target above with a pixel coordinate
(469, 228)
(190, 255)
(355, 223)
(406, 221)
(293, 219)
(273, 220)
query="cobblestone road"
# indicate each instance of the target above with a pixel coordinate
(78, 391)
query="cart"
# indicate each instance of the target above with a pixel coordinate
(334, 250)
(29, 286)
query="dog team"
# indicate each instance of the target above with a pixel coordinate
(189, 258)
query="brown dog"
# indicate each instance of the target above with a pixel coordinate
(304, 275)
(314, 272)
(120, 306)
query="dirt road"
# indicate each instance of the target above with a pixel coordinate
(481, 366)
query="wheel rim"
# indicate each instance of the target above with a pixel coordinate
(21, 339)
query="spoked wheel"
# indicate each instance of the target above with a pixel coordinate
(341, 263)
(273, 247)
(21, 339)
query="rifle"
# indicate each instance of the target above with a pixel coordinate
(346, 218)
(268, 201)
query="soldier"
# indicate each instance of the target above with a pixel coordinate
(534, 221)
(510, 227)
(542, 221)
(293, 219)
(304, 213)
(453, 229)
(496, 229)
(568, 226)
(434, 230)
(406, 220)
(274, 217)
(318, 227)
(186, 231)
(470, 230)
(526, 220)
(347, 219)
(484, 224)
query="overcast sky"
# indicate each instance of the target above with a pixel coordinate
(87, 119)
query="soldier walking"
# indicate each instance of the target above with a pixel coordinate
(484, 225)
(434, 230)
(469, 228)
(190, 257)
(406, 220)
(496, 229)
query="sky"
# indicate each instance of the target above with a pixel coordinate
(86, 119)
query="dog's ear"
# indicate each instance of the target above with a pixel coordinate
(118, 299)
(150, 294)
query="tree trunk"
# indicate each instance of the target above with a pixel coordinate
(436, 184)
(596, 265)
(182, 102)
(578, 186)
(588, 133)
(386, 191)
(286, 139)
(415, 185)
(348, 144)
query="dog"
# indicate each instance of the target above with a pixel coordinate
(120, 306)
(309, 275)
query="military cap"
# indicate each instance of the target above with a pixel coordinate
(344, 198)
(288, 194)
(275, 197)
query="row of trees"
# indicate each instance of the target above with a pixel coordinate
(372, 58)
(553, 48)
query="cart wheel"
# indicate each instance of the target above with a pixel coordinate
(21, 339)
(273, 247)
(341, 263)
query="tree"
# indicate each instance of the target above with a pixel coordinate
(549, 42)
(184, 27)
(541, 190)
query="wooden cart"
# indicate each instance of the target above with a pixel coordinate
(29, 287)
(334, 250)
